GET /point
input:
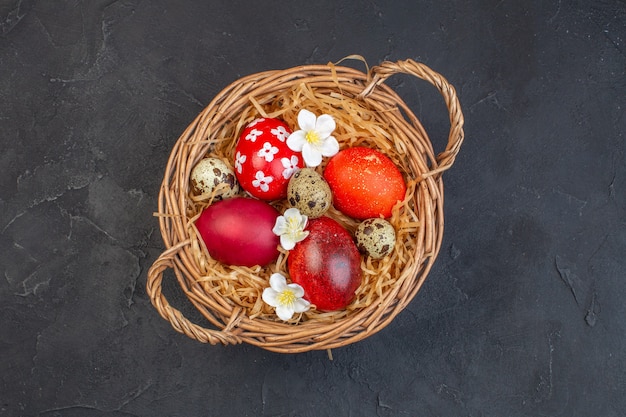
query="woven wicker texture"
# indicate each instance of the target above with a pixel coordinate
(235, 318)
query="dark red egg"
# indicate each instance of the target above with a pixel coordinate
(327, 265)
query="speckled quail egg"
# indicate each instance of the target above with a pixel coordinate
(309, 192)
(375, 237)
(209, 173)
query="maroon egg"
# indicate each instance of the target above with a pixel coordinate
(238, 231)
(327, 265)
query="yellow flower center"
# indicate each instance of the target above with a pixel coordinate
(312, 137)
(286, 297)
(293, 225)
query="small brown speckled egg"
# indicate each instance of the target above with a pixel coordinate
(211, 172)
(309, 192)
(375, 238)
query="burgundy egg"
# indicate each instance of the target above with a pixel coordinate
(238, 231)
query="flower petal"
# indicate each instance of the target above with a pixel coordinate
(270, 297)
(301, 305)
(297, 290)
(312, 157)
(296, 140)
(306, 120)
(291, 212)
(278, 282)
(330, 146)
(287, 242)
(284, 312)
(325, 125)
(280, 226)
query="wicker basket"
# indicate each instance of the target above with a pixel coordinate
(220, 121)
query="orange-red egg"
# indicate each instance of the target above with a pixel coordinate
(365, 183)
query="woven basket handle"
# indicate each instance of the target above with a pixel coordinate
(380, 73)
(174, 316)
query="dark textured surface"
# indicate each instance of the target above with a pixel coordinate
(523, 313)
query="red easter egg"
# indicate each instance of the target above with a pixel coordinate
(238, 231)
(326, 264)
(263, 161)
(365, 183)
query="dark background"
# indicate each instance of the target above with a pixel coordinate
(524, 313)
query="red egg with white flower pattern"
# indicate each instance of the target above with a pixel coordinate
(263, 161)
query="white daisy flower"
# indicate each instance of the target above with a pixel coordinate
(285, 298)
(290, 227)
(314, 138)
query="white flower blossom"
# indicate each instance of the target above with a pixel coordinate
(290, 165)
(290, 227)
(239, 160)
(262, 181)
(285, 298)
(314, 138)
(280, 132)
(268, 151)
